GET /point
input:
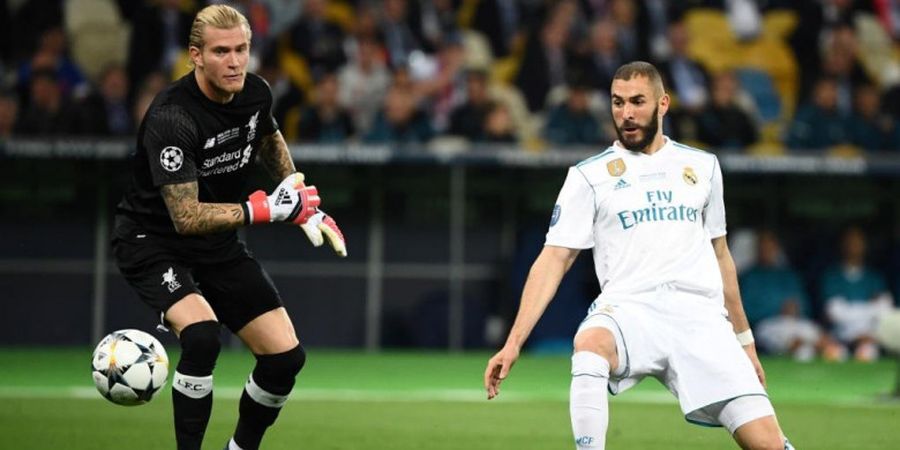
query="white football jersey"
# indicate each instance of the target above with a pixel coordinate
(648, 218)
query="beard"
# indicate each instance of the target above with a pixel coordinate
(648, 133)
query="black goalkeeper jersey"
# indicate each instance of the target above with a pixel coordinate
(186, 137)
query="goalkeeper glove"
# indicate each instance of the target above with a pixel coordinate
(292, 201)
(320, 227)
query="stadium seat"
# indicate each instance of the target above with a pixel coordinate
(99, 37)
(758, 84)
(779, 24)
(477, 50)
(878, 59)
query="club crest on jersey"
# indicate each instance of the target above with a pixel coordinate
(169, 278)
(171, 158)
(616, 167)
(251, 133)
(689, 176)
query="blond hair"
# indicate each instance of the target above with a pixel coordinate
(216, 16)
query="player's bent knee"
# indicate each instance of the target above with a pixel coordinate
(200, 342)
(282, 366)
(597, 340)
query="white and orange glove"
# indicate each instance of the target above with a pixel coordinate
(292, 201)
(320, 227)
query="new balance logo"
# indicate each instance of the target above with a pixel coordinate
(622, 184)
(284, 198)
(210, 143)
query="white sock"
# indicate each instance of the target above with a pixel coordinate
(588, 405)
(233, 445)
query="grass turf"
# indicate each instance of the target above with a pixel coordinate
(349, 400)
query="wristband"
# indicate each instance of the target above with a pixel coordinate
(745, 337)
(246, 210)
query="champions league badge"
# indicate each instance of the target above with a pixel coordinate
(689, 176)
(616, 167)
(554, 217)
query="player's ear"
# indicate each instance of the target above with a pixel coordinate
(664, 104)
(196, 55)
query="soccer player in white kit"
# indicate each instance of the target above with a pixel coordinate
(652, 211)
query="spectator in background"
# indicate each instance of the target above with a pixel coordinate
(572, 122)
(891, 102)
(468, 119)
(546, 59)
(48, 112)
(722, 124)
(776, 303)
(317, 39)
(501, 22)
(29, 20)
(285, 95)
(399, 39)
(855, 297)
(443, 86)
(818, 125)
(325, 121)
(52, 55)
(868, 128)
(9, 113)
(685, 78)
(152, 85)
(498, 126)
(633, 45)
(841, 63)
(106, 111)
(603, 58)
(363, 82)
(436, 22)
(158, 33)
(400, 121)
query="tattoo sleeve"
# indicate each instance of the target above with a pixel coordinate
(192, 217)
(275, 156)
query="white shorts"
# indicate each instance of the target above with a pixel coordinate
(683, 340)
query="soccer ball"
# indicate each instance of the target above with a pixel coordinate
(129, 367)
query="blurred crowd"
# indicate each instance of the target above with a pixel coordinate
(835, 315)
(748, 75)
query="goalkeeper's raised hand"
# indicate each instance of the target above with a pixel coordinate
(321, 227)
(292, 201)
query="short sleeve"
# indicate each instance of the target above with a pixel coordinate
(171, 140)
(268, 124)
(714, 211)
(572, 220)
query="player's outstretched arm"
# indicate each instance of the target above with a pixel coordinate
(540, 287)
(734, 305)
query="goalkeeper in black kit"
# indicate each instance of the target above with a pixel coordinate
(175, 240)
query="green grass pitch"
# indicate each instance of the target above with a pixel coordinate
(351, 400)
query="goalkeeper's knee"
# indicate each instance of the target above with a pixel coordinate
(276, 373)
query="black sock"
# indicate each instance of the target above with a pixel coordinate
(265, 393)
(192, 384)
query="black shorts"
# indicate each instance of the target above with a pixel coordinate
(234, 284)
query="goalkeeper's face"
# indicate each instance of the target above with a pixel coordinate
(637, 109)
(223, 59)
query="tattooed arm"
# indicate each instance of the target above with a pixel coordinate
(192, 217)
(275, 156)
